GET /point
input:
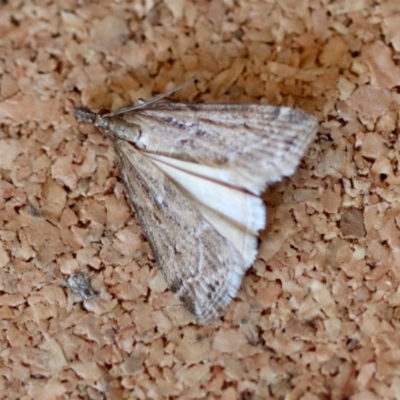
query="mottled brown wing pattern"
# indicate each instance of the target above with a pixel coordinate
(260, 143)
(200, 266)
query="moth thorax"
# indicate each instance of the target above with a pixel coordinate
(124, 129)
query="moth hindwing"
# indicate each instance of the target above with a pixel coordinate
(194, 174)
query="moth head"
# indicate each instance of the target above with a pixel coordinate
(102, 121)
(83, 114)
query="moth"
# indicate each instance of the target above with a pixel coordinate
(194, 174)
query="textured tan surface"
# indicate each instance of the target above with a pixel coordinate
(317, 316)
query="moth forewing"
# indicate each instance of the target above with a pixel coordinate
(194, 173)
(259, 143)
(200, 266)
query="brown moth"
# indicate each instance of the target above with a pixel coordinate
(194, 174)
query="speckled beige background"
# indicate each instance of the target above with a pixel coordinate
(318, 315)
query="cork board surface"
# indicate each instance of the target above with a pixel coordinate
(84, 311)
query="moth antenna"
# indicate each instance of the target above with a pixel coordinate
(141, 103)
